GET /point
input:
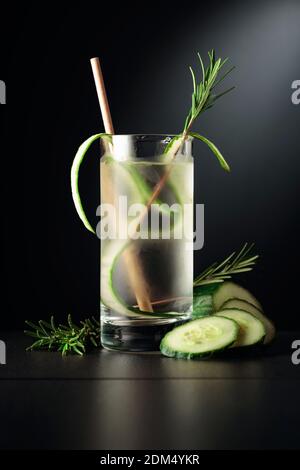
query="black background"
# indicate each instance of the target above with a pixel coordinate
(50, 262)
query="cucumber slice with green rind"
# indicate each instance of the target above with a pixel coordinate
(145, 191)
(109, 295)
(252, 330)
(221, 292)
(230, 290)
(206, 289)
(202, 306)
(200, 338)
(209, 298)
(247, 307)
(203, 300)
(81, 152)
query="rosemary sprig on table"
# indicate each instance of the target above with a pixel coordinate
(77, 339)
(68, 338)
(235, 263)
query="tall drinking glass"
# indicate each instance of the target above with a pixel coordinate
(146, 240)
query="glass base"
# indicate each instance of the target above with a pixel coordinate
(133, 337)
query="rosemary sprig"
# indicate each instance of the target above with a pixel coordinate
(203, 98)
(235, 263)
(70, 338)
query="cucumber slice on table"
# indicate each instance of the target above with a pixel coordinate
(247, 307)
(230, 290)
(209, 298)
(203, 300)
(252, 330)
(200, 338)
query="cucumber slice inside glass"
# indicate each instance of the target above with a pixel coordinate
(109, 295)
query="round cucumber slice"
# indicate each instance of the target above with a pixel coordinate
(230, 290)
(252, 330)
(200, 338)
(210, 298)
(247, 307)
(109, 295)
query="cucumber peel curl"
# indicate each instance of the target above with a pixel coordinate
(79, 157)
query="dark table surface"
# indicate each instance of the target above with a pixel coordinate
(109, 400)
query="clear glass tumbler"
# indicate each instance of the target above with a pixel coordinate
(146, 240)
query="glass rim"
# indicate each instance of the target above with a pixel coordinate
(144, 146)
(143, 136)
